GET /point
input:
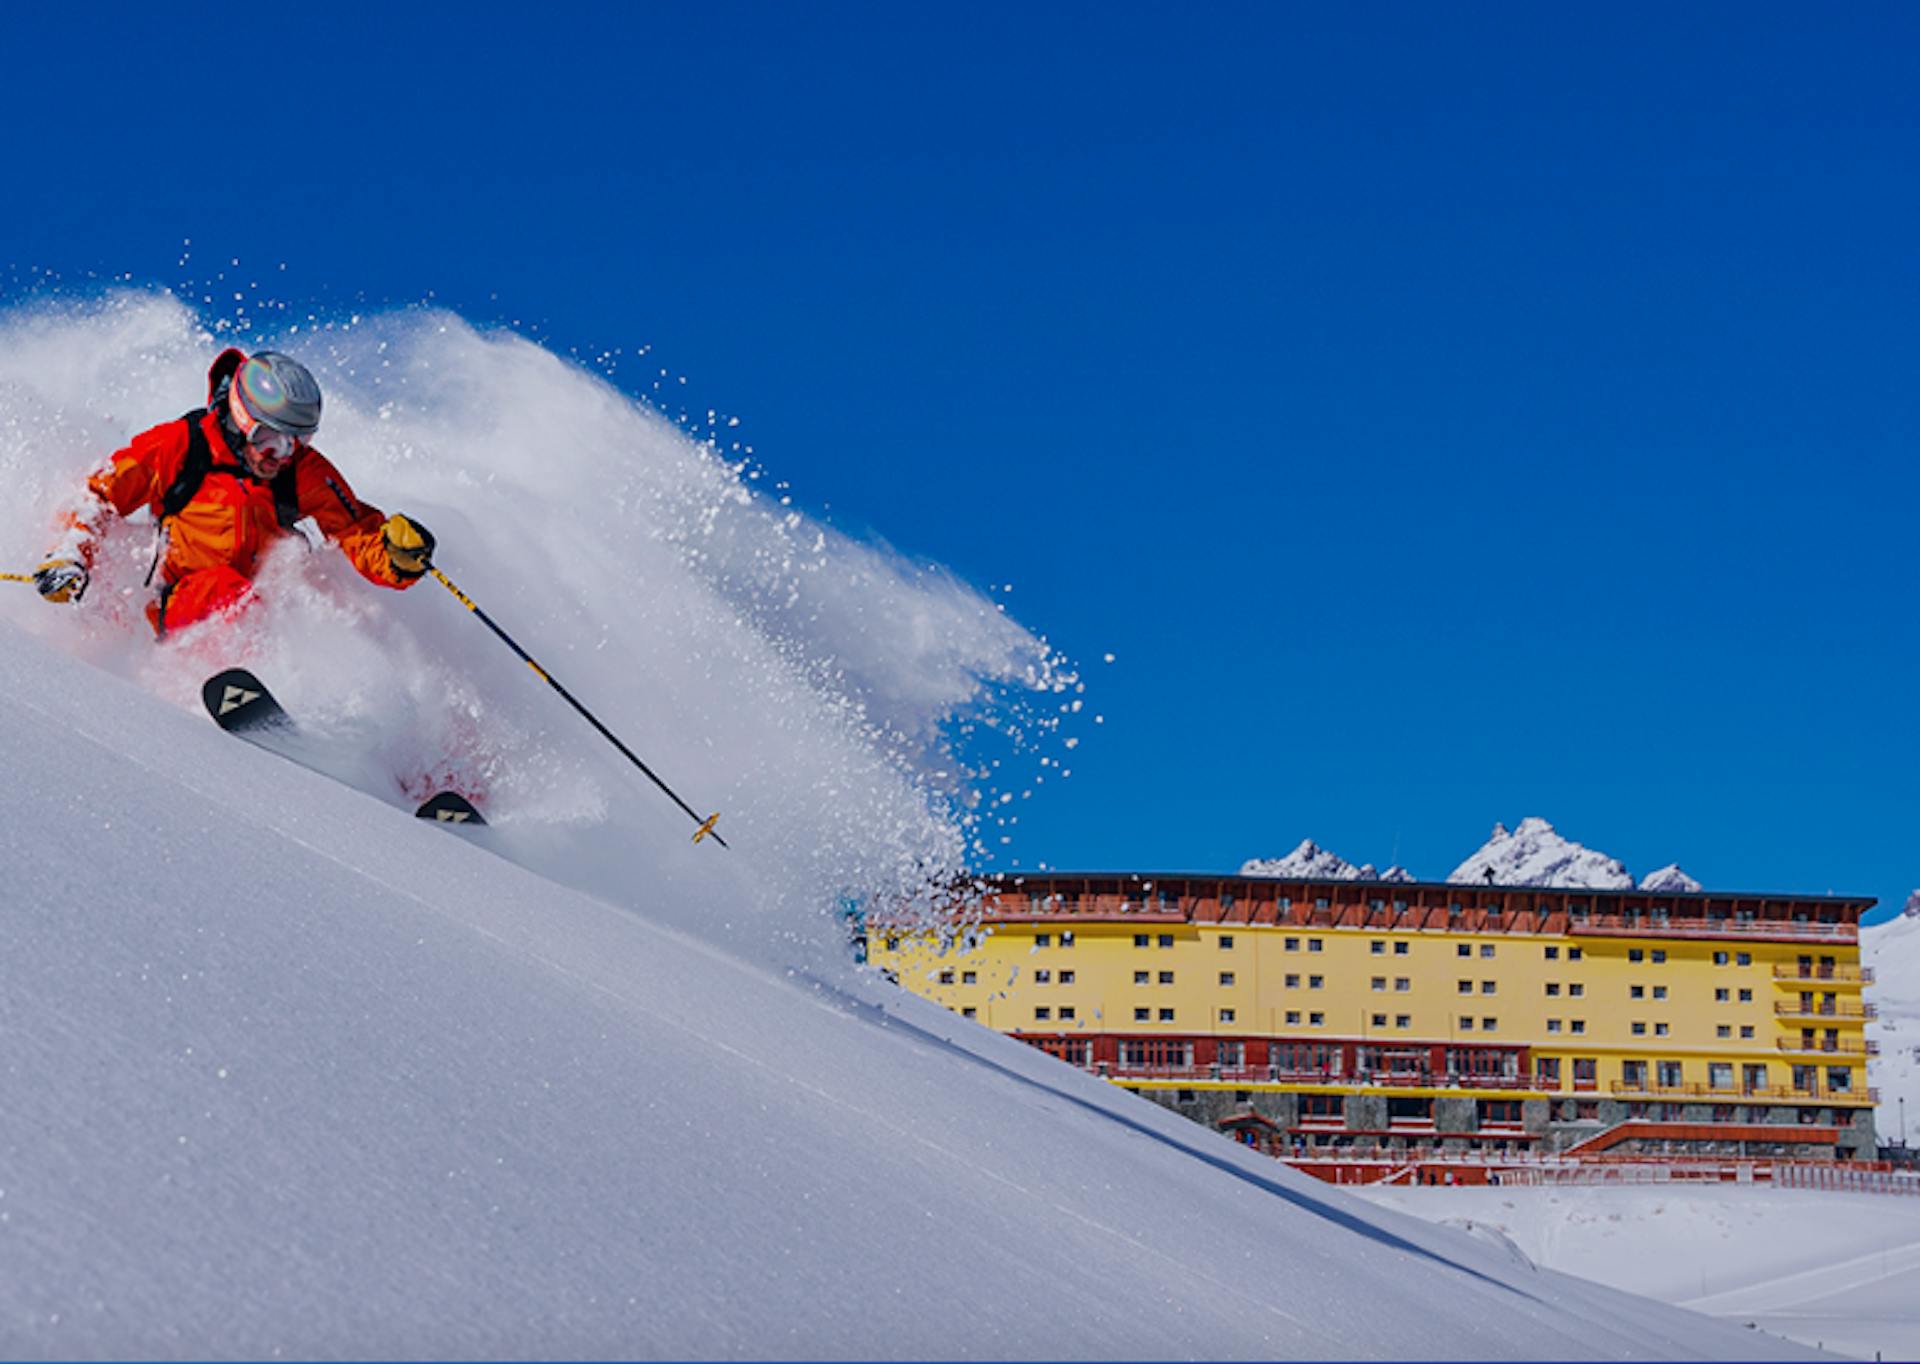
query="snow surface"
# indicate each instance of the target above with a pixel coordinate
(1892, 949)
(292, 1073)
(1839, 1270)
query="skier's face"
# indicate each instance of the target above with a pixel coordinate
(268, 451)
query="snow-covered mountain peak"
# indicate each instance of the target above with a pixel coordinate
(1669, 877)
(1308, 860)
(1536, 855)
(1913, 905)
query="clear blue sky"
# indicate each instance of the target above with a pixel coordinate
(1444, 413)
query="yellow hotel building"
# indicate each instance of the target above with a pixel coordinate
(1401, 1019)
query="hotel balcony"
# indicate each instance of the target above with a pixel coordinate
(1848, 1012)
(1823, 1046)
(1839, 975)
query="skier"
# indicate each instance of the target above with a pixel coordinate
(223, 483)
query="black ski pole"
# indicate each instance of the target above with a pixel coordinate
(706, 825)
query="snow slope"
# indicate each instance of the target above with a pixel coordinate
(1835, 1269)
(1892, 949)
(290, 1072)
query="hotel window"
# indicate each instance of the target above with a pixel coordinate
(1379, 983)
(1226, 942)
(1839, 1079)
(1143, 1015)
(1575, 953)
(1586, 1069)
(1553, 1025)
(1400, 949)
(1635, 954)
(1291, 944)
(1579, 1025)
(1142, 940)
(1746, 996)
(1293, 981)
(1659, 1030)
(969, 1012)
(1743, 959)
(1489, 1024)
(1166, 940)
(1043, 977)
(1746, 1030)
(1402, 984)
(1316, 1020)
(1315, 982)
(1488, 987)
(1293, 1016)
(1043, 1013)
(969, 978)
(1403, 1020)
(1066, 977)
(1166, 1015)
(1143, 977)
(1313, 944)
(1379, 1020)
(1066, 1011)
(1226, 978)
(1379, 949)
(1066, 938)
(1639, 1030)
(1553, 987)
(1723, 1030)
(1721, 958)
(1659, 992)
(1722, 995)
(1466, 987)
(1553, 954)
(1486, 949)
(1233, 1055)
(1226, 1015)
(1546, 1071)
(1671, 1074)
(1466, 1023)
(946, 977)
(1464, 949)
(1659, 954)
(1043, 940)
(1636, 992)
(1576, 989)
(1166, 977)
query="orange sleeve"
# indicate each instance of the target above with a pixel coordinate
(135, 477)
(353, 525)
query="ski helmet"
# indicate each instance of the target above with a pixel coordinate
(280, 392)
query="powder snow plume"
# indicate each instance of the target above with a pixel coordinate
(806, 685)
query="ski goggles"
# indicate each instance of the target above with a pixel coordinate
(268, 441)
(271, 444)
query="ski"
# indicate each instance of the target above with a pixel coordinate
(240, 703)
(449, 807)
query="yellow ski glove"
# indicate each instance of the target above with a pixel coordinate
(409, 547)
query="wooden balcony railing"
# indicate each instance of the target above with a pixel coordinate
(1839, 975)
(1856, 1013)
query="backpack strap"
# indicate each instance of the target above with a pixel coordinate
(193, 469)
(286, 495)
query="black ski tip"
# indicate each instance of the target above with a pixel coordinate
(237, 700)
(449, 807)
